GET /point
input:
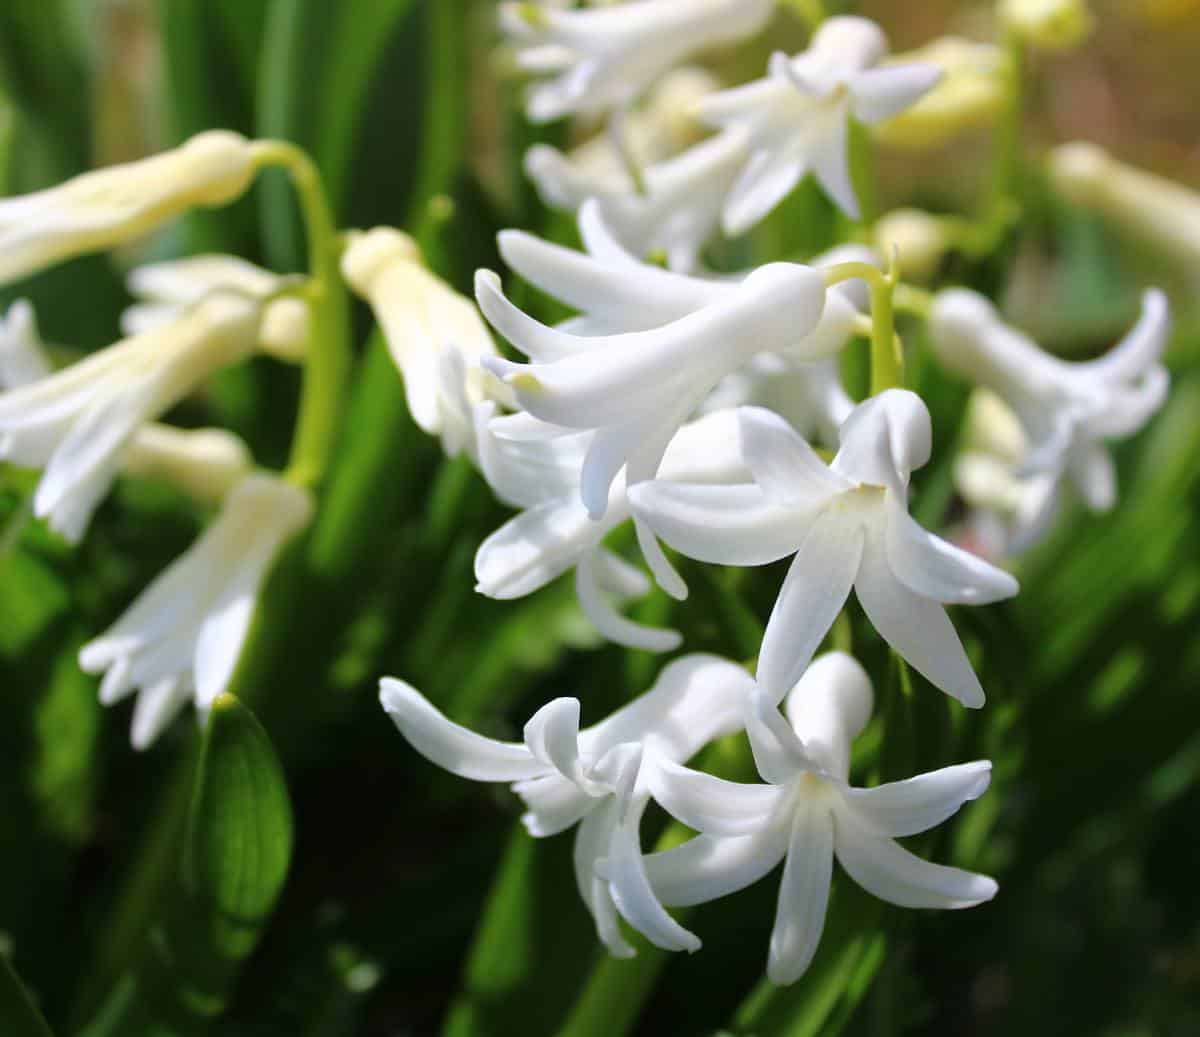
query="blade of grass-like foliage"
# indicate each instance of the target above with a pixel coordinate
(18, 1015)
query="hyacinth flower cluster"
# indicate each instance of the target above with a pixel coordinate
(679, 409)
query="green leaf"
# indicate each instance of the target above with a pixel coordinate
(18, 1015)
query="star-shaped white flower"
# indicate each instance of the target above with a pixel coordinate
(554, 533)
(604, 59)
(596, 778)
(1067, 409)
(797, 117)
(635, 390)
(182, 637)
(848, 526)
(806, 814)
(78, 422)
(103, 208)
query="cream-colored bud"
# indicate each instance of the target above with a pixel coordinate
(371, 253)
(1053, 25)
(918, 238)
(286, 328)
(203, 463)
(1161, 210)
(970, 94)
(990, 426)
(109, 206)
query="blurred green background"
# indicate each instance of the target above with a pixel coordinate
(1092, 673)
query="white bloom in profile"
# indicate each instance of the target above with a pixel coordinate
(797, 117)
(652, 133)
(635, 390)
(848, 526)
(596, 778)
(605, 58)
(422, 319)
(807, 814)
(181, 638)
(554, 533)
(109, 206)
(1067, 409)
(22, 355)
(78, 422)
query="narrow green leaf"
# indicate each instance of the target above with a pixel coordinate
(18, 1015)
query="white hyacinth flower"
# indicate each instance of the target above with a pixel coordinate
(848, 526)
(1067, 409)
(806, 814)
(652, 133)
(422, 319)
(636, 389)
(596, 778)
(604, 59)
(109, 206)
(554, 533)
(797, 118)
(78, 422)
(181, 638)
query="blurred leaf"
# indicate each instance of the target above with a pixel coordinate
(18, 1016)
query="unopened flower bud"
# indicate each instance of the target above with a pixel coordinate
(1053, 25)
(285, 329)
(918, 238)
(203, 463)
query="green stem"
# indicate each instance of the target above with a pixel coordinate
(887, 357)
(327, 368)
(1007, 159)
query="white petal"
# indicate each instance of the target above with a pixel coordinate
(803, 892)
(887, 870)
(535, 547)
(779, 755)
(665, 574)
(829, 159)
(916, 627)
(591, 843)
(553, 804)
(156, 707)
(782, 463)
(611, 623)
(1142, 347)
(713, 805)
(450, 745)
(725, 525)
(813, 593)
(710, 866)
(902, 808)
(933, 568)
(1092, 471)
(767, 179)
(552, 735)
(884, 439)
(599, 239)
(880, 93)
(531, 337)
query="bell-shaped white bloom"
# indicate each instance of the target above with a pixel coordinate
(78, 422)
(554, 533)
(650, 134)
(806, 814)
(108, 206)
(22, 355)
(848, 526)
(596, 777)
(635, 390)
(797, 117)
(181, 638)
(971, 93)
(605, 58)
(1067, 409)
(422, 319)
(1160, 210)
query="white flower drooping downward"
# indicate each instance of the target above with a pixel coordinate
(797, 117)
(597, 778)
(78, 422)
(635, 390)
(603, 59)
(105, 207)
(1067, 409)
(848, 526)
(182, 637)
(806, 814)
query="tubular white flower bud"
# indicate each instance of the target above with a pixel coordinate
(917, 238)
(204, 463)
(1053, 25)
(109, 206)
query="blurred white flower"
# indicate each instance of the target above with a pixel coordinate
(554, 532)
(423, 319)
(806, 814)
(182, 637)
(109, 206)
(596, 778)
(797, 118)
(78, 423)
(22, 354)
(605, 58)
(848, 526)
(636, 389)
(1067, 409)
